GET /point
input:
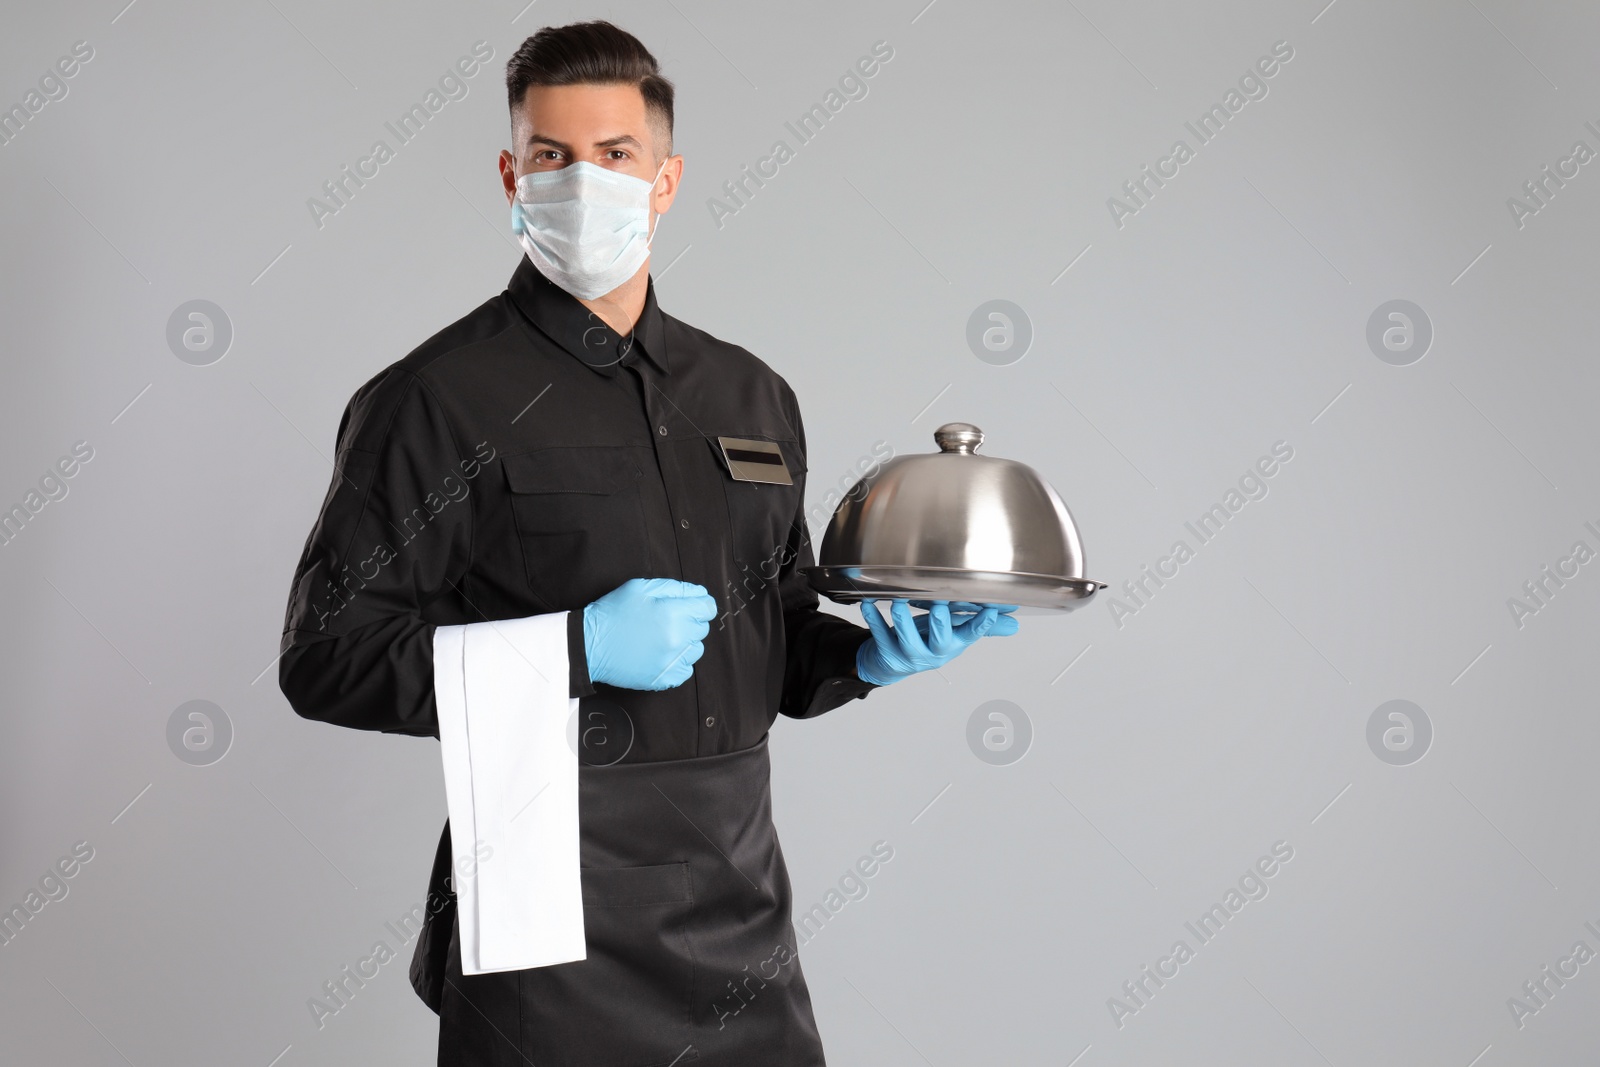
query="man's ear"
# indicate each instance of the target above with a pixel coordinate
(508, 175)
(667, 191)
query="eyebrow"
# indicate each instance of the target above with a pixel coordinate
(609, 142)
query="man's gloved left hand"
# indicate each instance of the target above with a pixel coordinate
(923, 642)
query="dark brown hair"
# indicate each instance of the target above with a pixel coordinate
(590, 53)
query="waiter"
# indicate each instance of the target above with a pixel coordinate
(572, 459)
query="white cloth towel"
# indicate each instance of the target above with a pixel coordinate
(511, 782)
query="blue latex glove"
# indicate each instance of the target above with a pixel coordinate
(647, 632)
(925, 641)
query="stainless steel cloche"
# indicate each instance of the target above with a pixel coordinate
(954, 525)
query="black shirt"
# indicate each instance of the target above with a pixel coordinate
(526, 460)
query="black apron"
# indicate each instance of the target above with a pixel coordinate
(686, 910)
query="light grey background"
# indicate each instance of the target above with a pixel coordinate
(1170, 749)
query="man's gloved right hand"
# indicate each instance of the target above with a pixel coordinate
(646, 633)
(927, 641)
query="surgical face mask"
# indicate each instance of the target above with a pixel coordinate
(585, 227)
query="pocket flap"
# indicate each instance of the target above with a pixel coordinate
(570, 470)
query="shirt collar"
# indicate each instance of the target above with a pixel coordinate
(580, 332)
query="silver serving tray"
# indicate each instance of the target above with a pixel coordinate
(1033, 594)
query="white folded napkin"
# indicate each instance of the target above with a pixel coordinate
(511, 782)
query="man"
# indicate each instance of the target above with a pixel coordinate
(566, 473)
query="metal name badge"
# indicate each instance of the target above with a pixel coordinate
(754, 461)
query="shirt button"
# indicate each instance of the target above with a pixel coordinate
(684, 523)
(662, 430)
(711, 720)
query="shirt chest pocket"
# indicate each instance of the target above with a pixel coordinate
(580, 521)
(761, 515)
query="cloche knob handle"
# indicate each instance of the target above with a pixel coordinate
(960, 437)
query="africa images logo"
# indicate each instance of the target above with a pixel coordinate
(1252, 86)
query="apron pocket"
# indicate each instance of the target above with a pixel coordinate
(628, 1003)
(630, 887)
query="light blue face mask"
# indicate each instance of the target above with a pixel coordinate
(585, 227)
